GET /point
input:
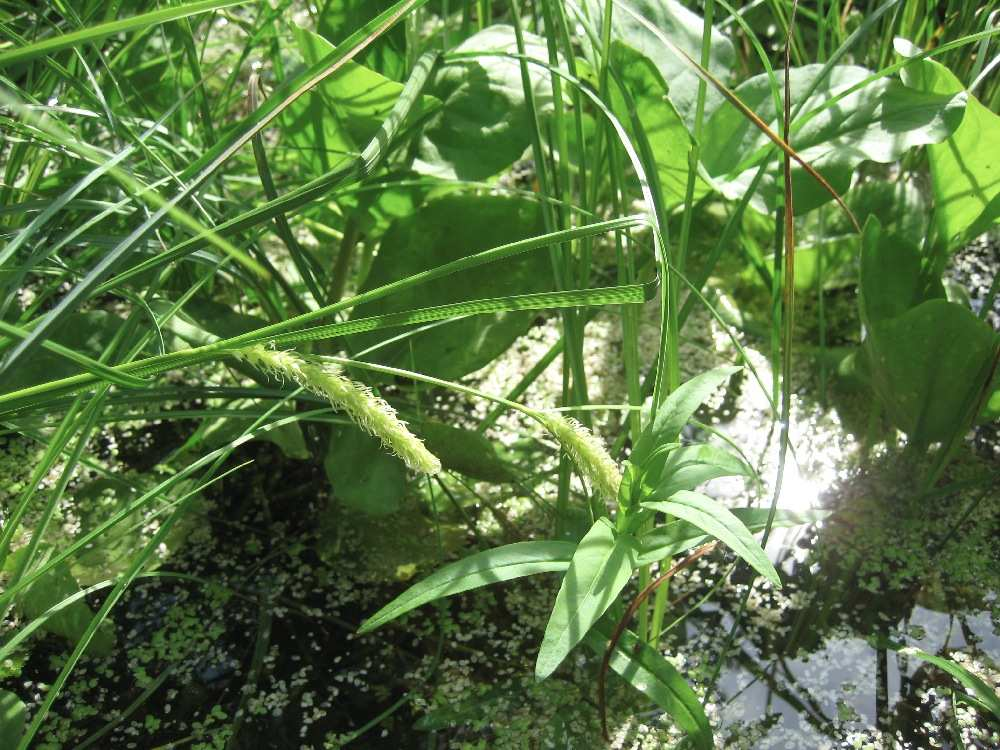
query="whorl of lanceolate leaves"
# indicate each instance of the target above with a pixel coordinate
(367, 410)
(587, 453)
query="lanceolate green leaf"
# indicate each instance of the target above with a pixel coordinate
(104, 30)
(601, 566)
(492, 566)
(687, 467)
(656, 678)
(676, 535)
(676, 410)
(720, 522)
(12, 715)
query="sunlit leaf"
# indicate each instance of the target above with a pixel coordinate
(601, 566)
(481, 569)
(716, 519)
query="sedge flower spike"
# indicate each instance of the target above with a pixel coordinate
(367, 410)
(587, 453)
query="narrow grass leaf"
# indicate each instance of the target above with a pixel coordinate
(12, 716)
(984, 694)
(104, 30)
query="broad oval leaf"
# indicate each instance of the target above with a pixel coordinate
(363, 476)
(668, 136)
(656, 678)
(484, 126)
(442, 232)
(877, 123)
(965, 169)
(601, 566)
(465, 451)
(676, 536)
(640, 24)
(720, 522)
(481, 569)
(676, 410)
(928, 366)
(70, 622)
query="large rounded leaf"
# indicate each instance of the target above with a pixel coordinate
(444, 230)
(965, 169)
(484, 126)
(640, 24)
(877, 123)
(928, 366)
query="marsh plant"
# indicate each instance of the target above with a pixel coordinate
(315, 225)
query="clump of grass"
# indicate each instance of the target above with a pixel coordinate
(367, 410)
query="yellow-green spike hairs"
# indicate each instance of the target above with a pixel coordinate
(587, 453)
(367, 410)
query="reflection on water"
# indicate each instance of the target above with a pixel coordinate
(804, 672)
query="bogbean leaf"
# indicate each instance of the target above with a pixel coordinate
(652, 675)
(716, 519)
(683, 28)
(465, 451)
(877, 123)
(443, 231)
(72, 621)
(363, 476)
(928, 358)
(481, 569)
(928, 366)
(892, 279)
(484, 126)
(676, 410)
(86, 332)
(965, 168)
(667, 134)
(601, 566)
(677, 535)
(346, 109)
(12, 716)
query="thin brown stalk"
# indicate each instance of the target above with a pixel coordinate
(627, 618)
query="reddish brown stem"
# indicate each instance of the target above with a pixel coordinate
(623, 623)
